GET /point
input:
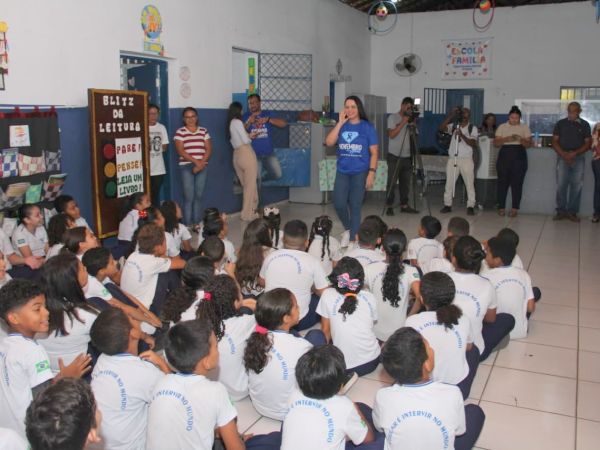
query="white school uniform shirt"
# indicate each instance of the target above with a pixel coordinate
(180, 234)
(123, 385)
(231, 371)
(270, 389)
(365, 256)
(279, 244)
(513, 291)
(354, 334)
(424, 250)
(128, 225)
(424, 416)
(54, 250)
(11, 440)
(81, 222)
(229, 250)
(449, 345)
(36, 241)
(140, 276)
(172, 248)
(69, 346)
(438, 265)
(335, 252)
(24, 364)
(96, 289)
(321, 424)
(295, 270)
(390, 318)
(474, 296)
(6, 247)
(190, 313)
(184, 412)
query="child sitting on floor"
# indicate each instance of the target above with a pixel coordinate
(66, 204)
(423, 249)
(368, 240)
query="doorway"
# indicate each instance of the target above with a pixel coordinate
(150, 75)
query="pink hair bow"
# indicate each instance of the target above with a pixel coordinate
(344, 281)
(260, 329)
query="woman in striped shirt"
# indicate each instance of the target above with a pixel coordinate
(194, 146)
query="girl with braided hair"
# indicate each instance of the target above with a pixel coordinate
(348, 314)
(322, 245)
(391, 282)
(221, 306)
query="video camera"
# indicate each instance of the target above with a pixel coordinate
(414, 112)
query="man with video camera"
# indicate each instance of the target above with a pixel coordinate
(398, 157)
(460, 156)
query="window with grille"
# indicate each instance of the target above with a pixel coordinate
(579, 93)
(285, 81)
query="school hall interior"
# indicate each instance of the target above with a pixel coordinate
(305, 57)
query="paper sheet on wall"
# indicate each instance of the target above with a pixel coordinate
(130, 170)
(19, 136)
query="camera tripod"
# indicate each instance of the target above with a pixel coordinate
(416, 169)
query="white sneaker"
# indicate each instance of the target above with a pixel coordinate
(345, 238)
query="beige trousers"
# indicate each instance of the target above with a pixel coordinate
(466, 169)
(246, 168)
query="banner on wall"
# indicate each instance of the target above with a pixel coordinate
(467, 59)
(130, 166)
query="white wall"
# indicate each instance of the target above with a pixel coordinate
(60, 48)
(536, 49)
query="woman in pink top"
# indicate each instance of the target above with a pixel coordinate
(194, 146)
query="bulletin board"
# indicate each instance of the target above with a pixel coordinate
(120, 164)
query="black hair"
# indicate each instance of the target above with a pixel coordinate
(502, 248)
(271, 307)
(25, 211)
(211, 213)
(213, 248)
(62, 416)
(408, 100)
(151, 214)
(252, 254)
(394, 245)
(403, 356)
(16, 294)
(431, 226)
(368, 232)
(153, 105)
(233, 112)
(168, 208)
(459, 226)
(194, 276)
(220, 294)
(73, 237)
(438, 291)
(510, 235)
(273, 221)
(295, 230)
(63, 292)
(189, 109)
(321, 372)
(57, 225)
(255, 96)
(110, 331)
(354, 270)
(359, 105)
(484, 121)
(61, 202)
(212, 227)
(515, 110)
(96, 259)
(468, 254)
(187, 343)
(449, 244)
(382, 227)
(148, 237)
(130, 203)
(321, 227)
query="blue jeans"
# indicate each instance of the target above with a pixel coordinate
(569, 182)
(271, 165)
(348, 196)
(193, 187)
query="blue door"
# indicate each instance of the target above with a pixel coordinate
(468, 98)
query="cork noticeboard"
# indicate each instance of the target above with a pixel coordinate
(120, 163)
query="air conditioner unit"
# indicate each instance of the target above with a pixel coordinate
(489, 156)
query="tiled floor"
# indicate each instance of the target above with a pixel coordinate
(542, 392)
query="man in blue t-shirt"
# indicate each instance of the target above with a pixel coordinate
(261, 123)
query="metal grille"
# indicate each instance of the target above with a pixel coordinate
(285, 81)
(435, 100)
(299, 135)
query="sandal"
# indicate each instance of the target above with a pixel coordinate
(501, 212)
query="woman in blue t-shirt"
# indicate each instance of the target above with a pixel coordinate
(357, 153)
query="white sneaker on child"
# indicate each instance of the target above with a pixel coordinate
(345, 238)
